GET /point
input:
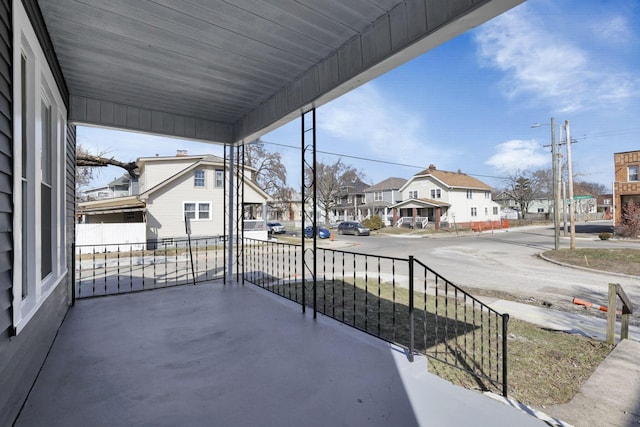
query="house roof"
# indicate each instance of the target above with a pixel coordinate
(356, 187)
(420, 202)
(123, 180)
(450, 179)
(120, 204)
(197, 161)
(387, 184)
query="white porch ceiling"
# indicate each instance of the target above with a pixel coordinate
(229, 71)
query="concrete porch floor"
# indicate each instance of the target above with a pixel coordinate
(235, 355)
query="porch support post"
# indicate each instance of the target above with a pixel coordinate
(438, 213)
(309, 200)
(230, 205)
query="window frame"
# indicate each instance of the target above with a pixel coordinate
(469, 193)
(219, 178)
(199, 181)
(474, 211)
(436, 193)
(34, 92)
(413, 194)
(197, 211)
(630, 174)
(378, 196)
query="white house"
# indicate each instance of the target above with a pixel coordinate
(440, 197)
(172, 187)
(119, 187)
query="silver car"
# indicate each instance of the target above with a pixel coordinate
(352, 227)
(275, 227)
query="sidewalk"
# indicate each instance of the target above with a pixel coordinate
(611, 396)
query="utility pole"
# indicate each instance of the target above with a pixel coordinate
(572, 215)
(556, 195)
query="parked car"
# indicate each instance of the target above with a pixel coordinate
(352, 227)
(275, 227)
(321, 232)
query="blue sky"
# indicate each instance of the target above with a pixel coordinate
(470, 103)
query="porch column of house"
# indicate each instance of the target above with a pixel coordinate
(414, 214)
(395, 215)
(437, 218)
(231, 204)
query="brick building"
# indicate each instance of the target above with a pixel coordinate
(626, 186)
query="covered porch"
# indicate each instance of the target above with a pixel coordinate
(162, 358)
(419, 213)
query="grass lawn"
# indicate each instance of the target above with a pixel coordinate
(625, 261)
(544, 367)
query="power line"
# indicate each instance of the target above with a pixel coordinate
(368, 159)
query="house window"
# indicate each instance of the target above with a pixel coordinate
(474, 211)
(435, 193)
(469, 194)
(540, 210)
(197, 211)
(219, 178)
(487, 194)
(633, 173)
(198, 178)
(413, 194)
(377, 196)
(607, 201)
(495, 210)
(39, 222)
(486, 211)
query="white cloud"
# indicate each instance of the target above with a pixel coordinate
(376, 127)
(553, 65)
(518, 155)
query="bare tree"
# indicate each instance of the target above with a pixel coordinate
(271, 174)
(86, 162)
(523, 186)
(331, 179)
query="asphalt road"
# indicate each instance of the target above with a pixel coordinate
(508, 261)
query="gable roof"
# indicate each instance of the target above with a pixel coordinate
(387, 184)
(198, 161)
(450, 179)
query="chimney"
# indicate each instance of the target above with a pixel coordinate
(432, 167)
(181, 153)
(459, 171)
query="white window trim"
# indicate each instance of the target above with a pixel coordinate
(40, 87)
(197, 211)
(637, 174)
(204, 178)
(471, 212)
(378, 196)
(215, 178)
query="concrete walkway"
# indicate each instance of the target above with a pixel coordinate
(611, 396)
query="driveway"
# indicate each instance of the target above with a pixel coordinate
(508, 261)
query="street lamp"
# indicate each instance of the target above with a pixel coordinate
(556, 192)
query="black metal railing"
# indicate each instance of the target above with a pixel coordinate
(109, 269)
(399, 300)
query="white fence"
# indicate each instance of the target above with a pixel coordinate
(111, 237)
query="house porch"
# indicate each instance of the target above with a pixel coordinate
(233, 355)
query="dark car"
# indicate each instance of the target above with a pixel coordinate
(275, 227)
(321, 232)
(353, 227)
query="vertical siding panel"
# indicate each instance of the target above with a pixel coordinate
(6, 173)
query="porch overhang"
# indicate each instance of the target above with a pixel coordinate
(420, 203)
(231, 72)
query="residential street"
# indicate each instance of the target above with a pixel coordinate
(508, 261)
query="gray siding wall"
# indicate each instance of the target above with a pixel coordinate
(21, 356)
(6, 169)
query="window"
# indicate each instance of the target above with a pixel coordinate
(39, 153)
(487, 194)
(197, 211)
(633, 173)
(377, 196)
(198, 178)
(607, 201)
(540, 210)
(219, 178)
(435, 193)
(413, 194)
(474, 211)
(495, 210)
(469, 194)
(486, 211)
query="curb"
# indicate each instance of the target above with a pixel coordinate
(592, 270)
